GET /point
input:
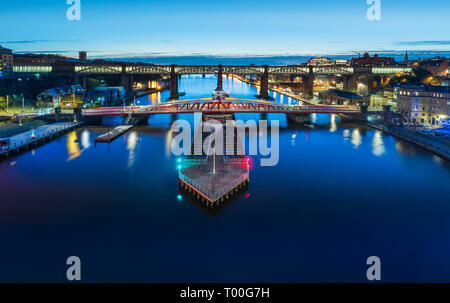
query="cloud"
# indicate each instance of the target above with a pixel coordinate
(423, 42)
(36, 41)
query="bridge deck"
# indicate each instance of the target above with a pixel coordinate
(226, 106)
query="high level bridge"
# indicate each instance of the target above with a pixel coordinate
(351, 75)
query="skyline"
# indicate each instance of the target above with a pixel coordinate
(138, 28)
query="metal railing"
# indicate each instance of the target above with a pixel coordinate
(212, 196)
(37, 137)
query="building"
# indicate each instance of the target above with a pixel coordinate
(340, 97)
(437, 66)
(377, 101)
(104, 95)
(424, 104)
(318, 61)
(58, 96)
(341, 62)
(6, 62)
(367, 60)
(82, 56)
(446, 81)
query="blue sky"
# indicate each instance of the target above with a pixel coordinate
(230, 28)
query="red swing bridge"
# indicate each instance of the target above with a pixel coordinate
(228, 105)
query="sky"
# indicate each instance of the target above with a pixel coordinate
(233, 28)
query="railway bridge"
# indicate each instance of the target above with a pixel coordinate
(351, 75)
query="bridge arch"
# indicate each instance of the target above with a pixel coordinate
(333, 70)
(364, 85)
(292, 70)
(98, 69)
(197, 70)
(245, 70)
(148, 70)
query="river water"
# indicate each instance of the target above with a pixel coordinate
(339, 194)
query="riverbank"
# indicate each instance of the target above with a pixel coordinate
(9, 129)
(437, 145)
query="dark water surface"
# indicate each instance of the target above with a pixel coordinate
(340, 193)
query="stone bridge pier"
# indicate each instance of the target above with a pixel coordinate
(308, 83)
(220, 78)
(359, 83)
(126, 81)
(173, 83)
(264, 87)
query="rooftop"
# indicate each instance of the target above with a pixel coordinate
(4, 50)
(426, 88)
(343, 94)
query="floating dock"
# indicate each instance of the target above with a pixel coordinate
(36, 136)
(113, 134)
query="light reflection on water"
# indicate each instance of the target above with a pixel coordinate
(356, 138)
(378, 148)
(132, 139)
(73, 148)
(344, 186)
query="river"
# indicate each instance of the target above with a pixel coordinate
(339, 194)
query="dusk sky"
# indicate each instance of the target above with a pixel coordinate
(225, 28)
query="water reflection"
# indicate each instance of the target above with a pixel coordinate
(85, 139)
(73, 148)
(132, 140)
(333, 125)
(346, 134)
(169, 138)
(356, 138)
(378, 148)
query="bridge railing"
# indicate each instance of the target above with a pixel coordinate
(207, 193)
(37, 137)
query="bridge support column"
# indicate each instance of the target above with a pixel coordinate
(387, 114)
(84, 84)
(264, 88)
(299, 118)
(219, 79)
(125, 82)
(308, 84)
(349, 83)
(173, 83)
(77, 114)
(364, 113)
